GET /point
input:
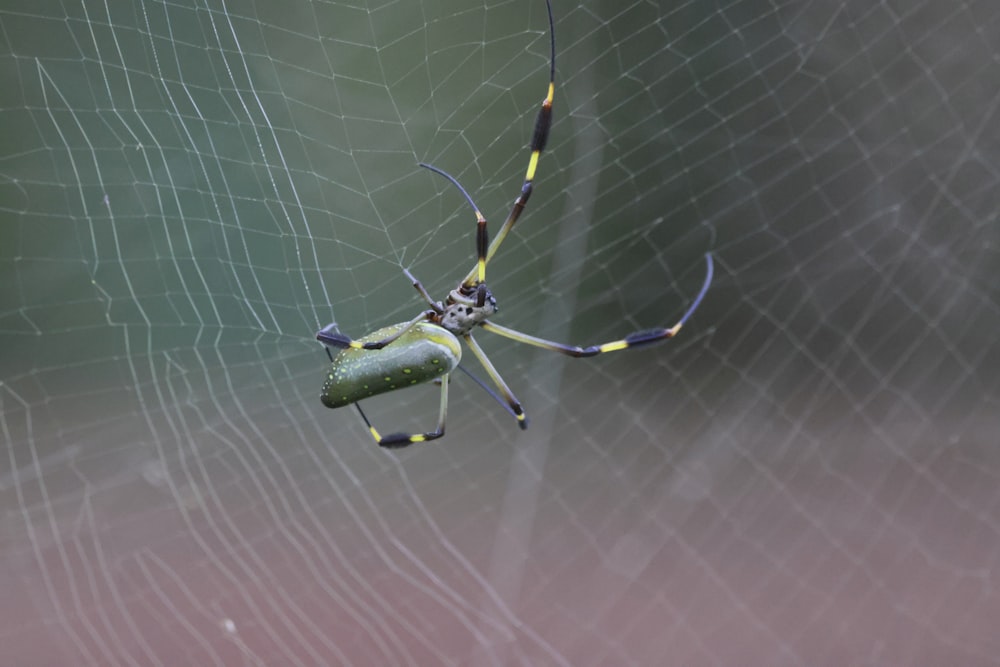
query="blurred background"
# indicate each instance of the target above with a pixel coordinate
(807, 475)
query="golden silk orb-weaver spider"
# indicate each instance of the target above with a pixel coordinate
(427, 347)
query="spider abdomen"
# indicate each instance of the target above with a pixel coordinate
(422, 354)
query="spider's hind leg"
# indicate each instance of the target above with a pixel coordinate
(400, 440)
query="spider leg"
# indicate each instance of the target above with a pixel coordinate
(400, 440)
(486, 388)
(636, 339)
(328, 335)
(423, 292)
(478, 274)
(508, 395)
(539, 138)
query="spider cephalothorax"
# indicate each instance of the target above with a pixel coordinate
(466, 308)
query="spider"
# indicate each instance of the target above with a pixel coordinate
(427, 347)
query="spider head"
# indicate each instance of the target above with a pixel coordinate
(466, 307)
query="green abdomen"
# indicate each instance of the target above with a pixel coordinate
(422, 354)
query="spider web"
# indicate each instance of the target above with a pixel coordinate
(807, 475)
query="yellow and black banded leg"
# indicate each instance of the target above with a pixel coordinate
(636, 339)
(539, 139)
(328, 335)
(478, 275)
(400, 440)
(508, 395)
(485, 387)
(632, 340)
